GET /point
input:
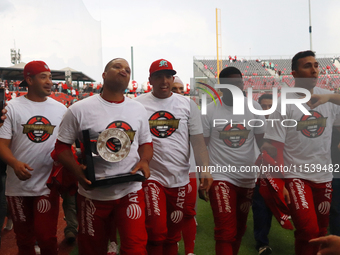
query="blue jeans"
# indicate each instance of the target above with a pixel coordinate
(262, 219)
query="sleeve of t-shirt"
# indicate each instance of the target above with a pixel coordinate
(7, 128)
(195, 123)
(274, 130)
(260, 120)
(206, 122)
(144, 134)
(69, 128)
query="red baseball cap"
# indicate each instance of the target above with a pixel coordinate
(161, 65)
(32, 68)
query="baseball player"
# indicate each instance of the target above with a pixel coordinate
(306, 147)
(189, 221)
(231, 146)
(26, 141)
(124, 202)
(172, 119)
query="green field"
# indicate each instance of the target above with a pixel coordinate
(281, 240)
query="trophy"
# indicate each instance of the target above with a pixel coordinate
(121, 150)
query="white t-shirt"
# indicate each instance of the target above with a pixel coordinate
(171, 121)
(307, 143)
(33, 128)
(232, 146)
(96, 114)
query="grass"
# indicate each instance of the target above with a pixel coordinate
(281, 240)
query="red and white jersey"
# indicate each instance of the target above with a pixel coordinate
(171, 122)
(32, 128)
(96, 114)
(309, 141)
(232, 142)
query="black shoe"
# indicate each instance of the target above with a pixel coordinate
(70, 237)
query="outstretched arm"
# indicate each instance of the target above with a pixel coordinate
(318, 99)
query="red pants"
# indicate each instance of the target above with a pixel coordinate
(165, 208)
(230, 205)
(35, 219)
(95, 222)
(189, 224)
(309, 205)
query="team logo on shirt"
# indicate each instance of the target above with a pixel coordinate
(312, 125)
(234, 136)
(163, 124)
(38, 129)
(114, 144)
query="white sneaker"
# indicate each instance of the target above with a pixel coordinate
(9, 224)
(37, 249)
(113, 249)
(191, 254)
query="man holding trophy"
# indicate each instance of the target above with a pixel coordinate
(115, 133)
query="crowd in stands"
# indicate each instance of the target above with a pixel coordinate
(260, 67)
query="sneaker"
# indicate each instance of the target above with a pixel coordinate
(265, 250)
(113, 249)
(70, 237)
(9, 224)
(37, 249)
(191, 254)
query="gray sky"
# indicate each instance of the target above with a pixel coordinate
(67, 32)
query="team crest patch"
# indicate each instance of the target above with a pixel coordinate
(234, 136)
(312, 126)
(114, 144)
(163, 124)
(38, 129)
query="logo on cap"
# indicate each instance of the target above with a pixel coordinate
(163, 63)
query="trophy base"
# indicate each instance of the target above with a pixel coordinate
(118, 179)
